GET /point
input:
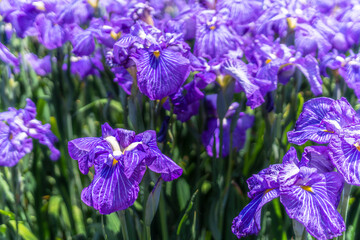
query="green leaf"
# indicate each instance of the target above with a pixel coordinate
(183, 192)
(9, 214)
(113, 222)
(153, 203)
(24, 232)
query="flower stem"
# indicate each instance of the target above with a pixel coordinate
(123, 225)
(103, 227)
(345, 204)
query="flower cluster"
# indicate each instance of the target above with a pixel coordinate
(333, 122)
(17, 128)
(310, 190)
(120, 158)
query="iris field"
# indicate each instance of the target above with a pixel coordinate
(179, 119)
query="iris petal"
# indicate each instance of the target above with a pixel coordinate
(111, 190)
(79, 150)
(346, 158)
(159, 77)
(315, 209)
(308, 126)
(248, 221)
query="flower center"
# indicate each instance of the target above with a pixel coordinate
(11, 136)
(307, 188)
(357, 145)
(212, 27)
(268, 190)
(328, 131)
(156, 53)
(117, 151)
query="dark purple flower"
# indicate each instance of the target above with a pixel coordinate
(186, 102)
(212, 131)
(241, 12)
(83, 43)
(17, 129)
(120, 158)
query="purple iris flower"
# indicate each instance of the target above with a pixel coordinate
(120, 158)
(321, 119)
(161, 60)
(86, 65)
(17, 128)
(214, 35)
(324, 120)
(186, 101)
(41, 66)
(212, 131)
(309, 192)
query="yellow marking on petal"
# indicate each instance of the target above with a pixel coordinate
(307, 188)
(39, 5)
(291, 22)
(268, 190)
(156, 53)
(11, 136)
(115, 35)
(114, 161)
(93, 3)
(325, 130)
(212, 27)
(268, 61)
(357, 145)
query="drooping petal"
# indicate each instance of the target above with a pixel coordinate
(310, 68)
(7, 57)
(345, 155)
(111, 190)
(249, 219)
(161, 75)
(239, 71)
(79, 150)
(313, 204)
(156, 161)
(308, 126)
(132, 159)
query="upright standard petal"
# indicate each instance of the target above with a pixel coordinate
(317, 157)
(7, 57)
(160, 73)
(308, 126)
